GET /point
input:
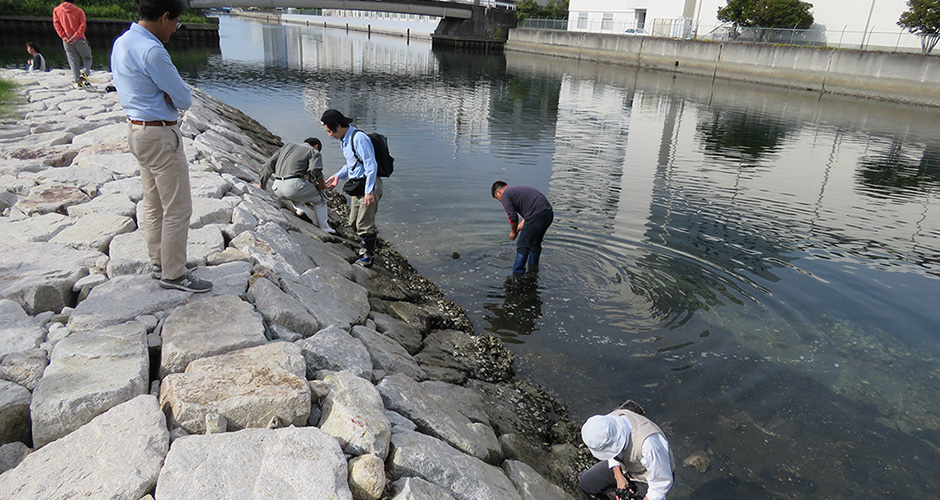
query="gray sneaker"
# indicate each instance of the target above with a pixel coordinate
(156, 272)
(187, 283)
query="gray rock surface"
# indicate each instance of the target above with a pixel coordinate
(366, 477)
(206, 327)
(465, 477)
(248, 387)
(128, 443)
(439, 417)
(334, 349)
(51, 198)
(14, 413)
(11, 454)
(294, 463)
(19, 332)
(39, 276)
(39, 228)
(352, 412)
(122, 299)
(530, 484)
(94, 231)
(341, 302)
(408, 336)
(415, 488)
(388, 355)
(24, 368)
(282, 309)
(273, 248)
(88, 374)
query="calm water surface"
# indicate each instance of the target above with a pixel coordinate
(758, 267)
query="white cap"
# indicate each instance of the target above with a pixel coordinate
(606, 435)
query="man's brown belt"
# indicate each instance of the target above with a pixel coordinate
(157, 123)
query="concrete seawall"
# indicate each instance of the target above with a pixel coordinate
(907, 78)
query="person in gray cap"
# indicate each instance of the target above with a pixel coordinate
(363, 185)
(635, 457)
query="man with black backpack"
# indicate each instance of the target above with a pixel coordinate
(362, 174)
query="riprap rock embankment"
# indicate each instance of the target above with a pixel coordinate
(299, 376)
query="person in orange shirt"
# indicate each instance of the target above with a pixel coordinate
(69, 22)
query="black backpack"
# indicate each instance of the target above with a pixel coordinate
(383, 159)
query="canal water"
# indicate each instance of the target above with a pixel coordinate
(758, 267)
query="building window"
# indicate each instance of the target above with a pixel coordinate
(607, 23)
(582, 21)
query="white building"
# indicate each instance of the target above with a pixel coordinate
(670, 18)
(869, 24)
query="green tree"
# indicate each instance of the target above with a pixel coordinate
(767, 14)
(554, 9)
(923, 19)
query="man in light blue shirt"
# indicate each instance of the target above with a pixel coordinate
(152, 93)
(363, 185)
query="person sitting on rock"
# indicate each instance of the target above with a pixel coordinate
(36, 62)
(635, 457)
(297, 170)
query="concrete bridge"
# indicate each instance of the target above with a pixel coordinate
(463, 24)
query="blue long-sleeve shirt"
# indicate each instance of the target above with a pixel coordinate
(354, 169)
(143, 73)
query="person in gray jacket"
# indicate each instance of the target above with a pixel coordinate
(297, 170)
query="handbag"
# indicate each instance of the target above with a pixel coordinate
(355, 187)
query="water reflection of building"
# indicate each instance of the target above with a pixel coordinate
(735, 178)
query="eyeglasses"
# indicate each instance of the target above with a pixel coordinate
(179, 25)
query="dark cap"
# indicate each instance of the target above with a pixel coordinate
(331, 116)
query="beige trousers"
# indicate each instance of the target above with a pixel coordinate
(168, 203)
(361, 217)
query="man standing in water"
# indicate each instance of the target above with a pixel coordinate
(536, 215)
(152, 93)
(635, 457)
(69, 22)
(364, 186)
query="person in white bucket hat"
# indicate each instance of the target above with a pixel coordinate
(635, 458)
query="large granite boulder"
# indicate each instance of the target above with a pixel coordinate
(273, 248)
(122, 299)
(40, 276)
(334, 349)
(113, 204)
(388, 355)
(94, 231)
(465, 477)
(282, 309)
(116, 456)
(248, 387)
(18, 331)
(37, 228)
(88, 374)
(14, 413)
(44, 199)
(352, 412)
(336, 300)
(210, 211)
(415, 488)
(293, 463)
(206, 327)
(408, 336)
(24, 368)
(439, 417)
(530, 484)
